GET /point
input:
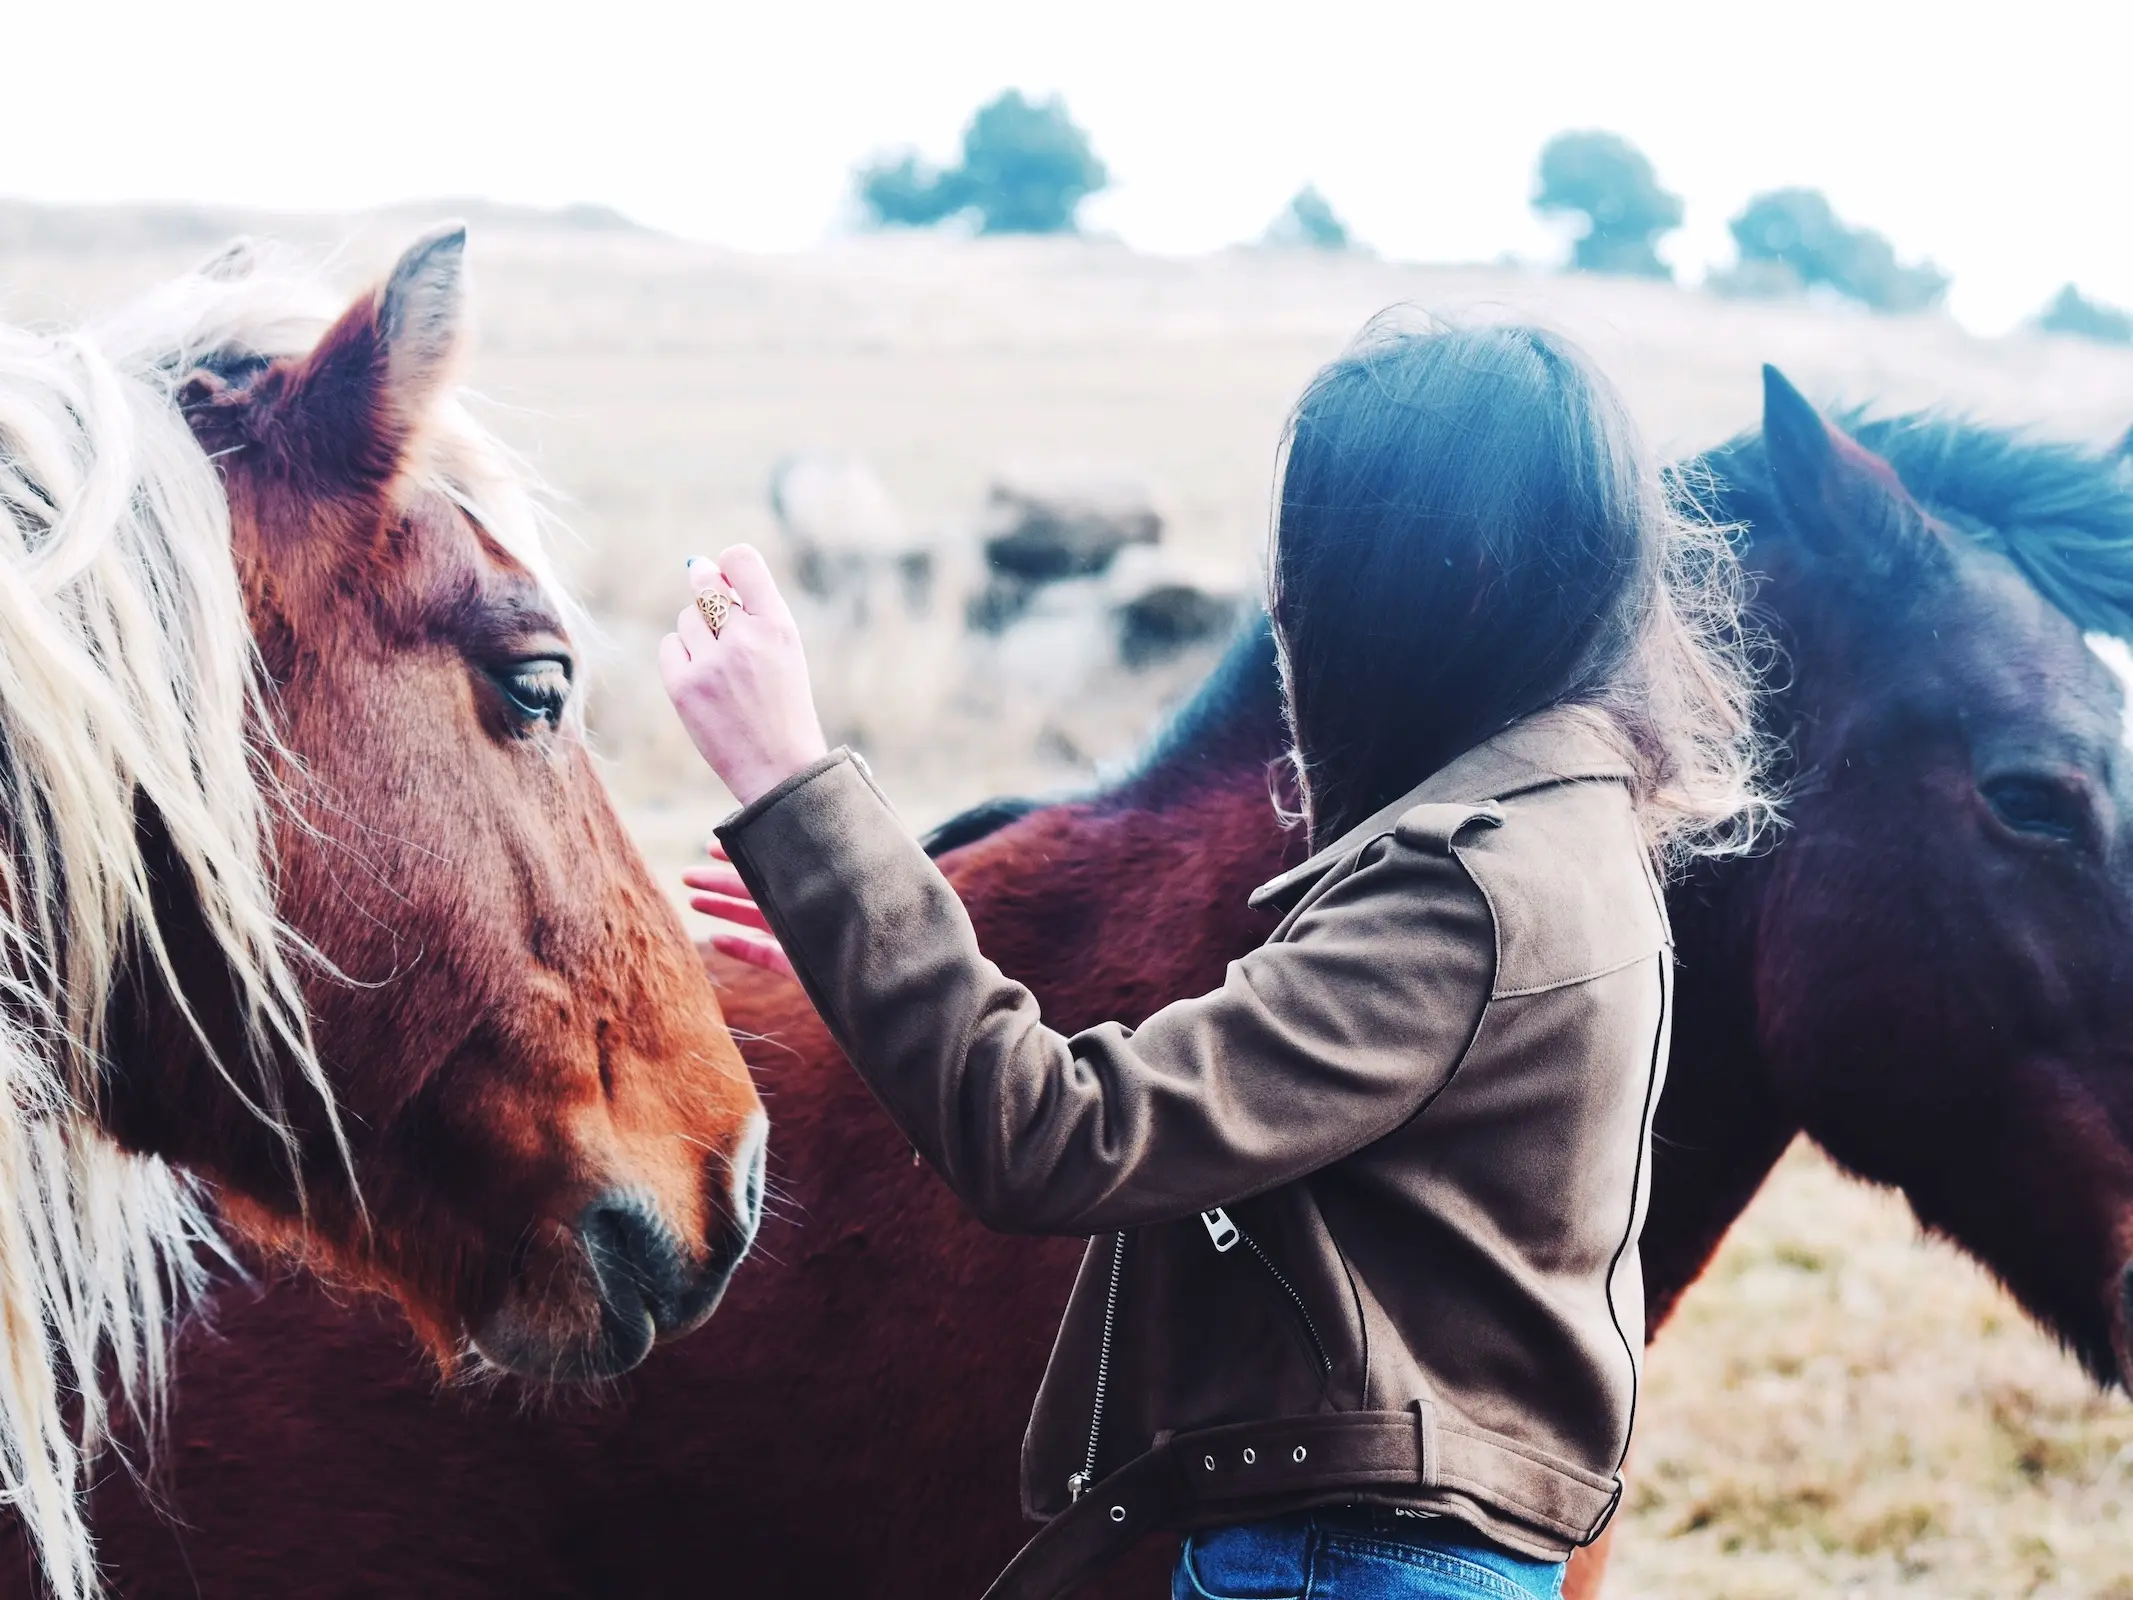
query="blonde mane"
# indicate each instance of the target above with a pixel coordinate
(128, 678)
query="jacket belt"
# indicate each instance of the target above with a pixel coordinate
(1191, 1478)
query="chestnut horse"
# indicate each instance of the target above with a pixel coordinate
(1929, 973)
(313, 910)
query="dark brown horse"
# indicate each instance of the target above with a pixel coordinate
(1929, 973)
(370, 958)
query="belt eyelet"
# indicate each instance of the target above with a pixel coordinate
(1250, 1455)
(1299, 1455)
(1208, 1462)
(1118, 1513)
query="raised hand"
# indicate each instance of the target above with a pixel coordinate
(741, 692)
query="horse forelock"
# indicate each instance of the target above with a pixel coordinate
(129, 679)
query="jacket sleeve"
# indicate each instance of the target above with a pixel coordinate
(1314, 1046)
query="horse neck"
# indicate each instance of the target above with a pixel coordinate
(1719, 1128)
(1115, 904)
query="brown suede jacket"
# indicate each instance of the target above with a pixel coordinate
(1398, 1160)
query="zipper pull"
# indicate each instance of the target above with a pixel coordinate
(1077, 1486)
(1220, 1230)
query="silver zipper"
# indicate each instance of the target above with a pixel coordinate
(1080, 1481)
(1222, 1233)
(1325, 1362)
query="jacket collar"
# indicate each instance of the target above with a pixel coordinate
(1560, 744)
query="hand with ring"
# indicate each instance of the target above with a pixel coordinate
(734, 668)
(714, 607)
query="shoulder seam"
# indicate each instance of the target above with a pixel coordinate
(1583, 977)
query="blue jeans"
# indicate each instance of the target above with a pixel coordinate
(1356, 1553)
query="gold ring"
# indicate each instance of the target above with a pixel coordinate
(714, 608)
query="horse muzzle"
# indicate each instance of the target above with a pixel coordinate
(636, 1284)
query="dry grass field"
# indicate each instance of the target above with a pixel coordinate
(1841, 1407)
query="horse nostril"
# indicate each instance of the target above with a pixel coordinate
(643, 1269)
(650, 1286)
(629, 1249)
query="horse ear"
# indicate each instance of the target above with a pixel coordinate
(1841, 500)
(361, 397)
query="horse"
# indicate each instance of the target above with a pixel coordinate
(1927, 973)
(317, 929)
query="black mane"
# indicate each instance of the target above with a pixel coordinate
(1235, 711)
(2062, 513)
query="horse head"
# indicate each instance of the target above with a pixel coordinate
(540, 1138)
(1944, 952)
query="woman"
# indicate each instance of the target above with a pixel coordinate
(1363, 1308)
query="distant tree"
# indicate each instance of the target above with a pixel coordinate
(1799, 233)
(1607, 180)
(2073, 312)
(1026, 168)
(1309, 220)
(908, 192)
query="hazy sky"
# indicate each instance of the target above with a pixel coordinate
(1996, 139)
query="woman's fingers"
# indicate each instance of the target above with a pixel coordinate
(727, 909)
(750, 578)
(706, 574)
(756, 952)
(704, 578)
(718, 880)
(721, 893)
(673, 661)
(693, 632)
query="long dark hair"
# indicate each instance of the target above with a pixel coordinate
(1470, 531)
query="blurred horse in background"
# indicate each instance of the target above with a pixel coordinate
(314, 917)
(1931, 973)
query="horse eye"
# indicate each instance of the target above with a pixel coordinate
(536, 689)
(2038, 807)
